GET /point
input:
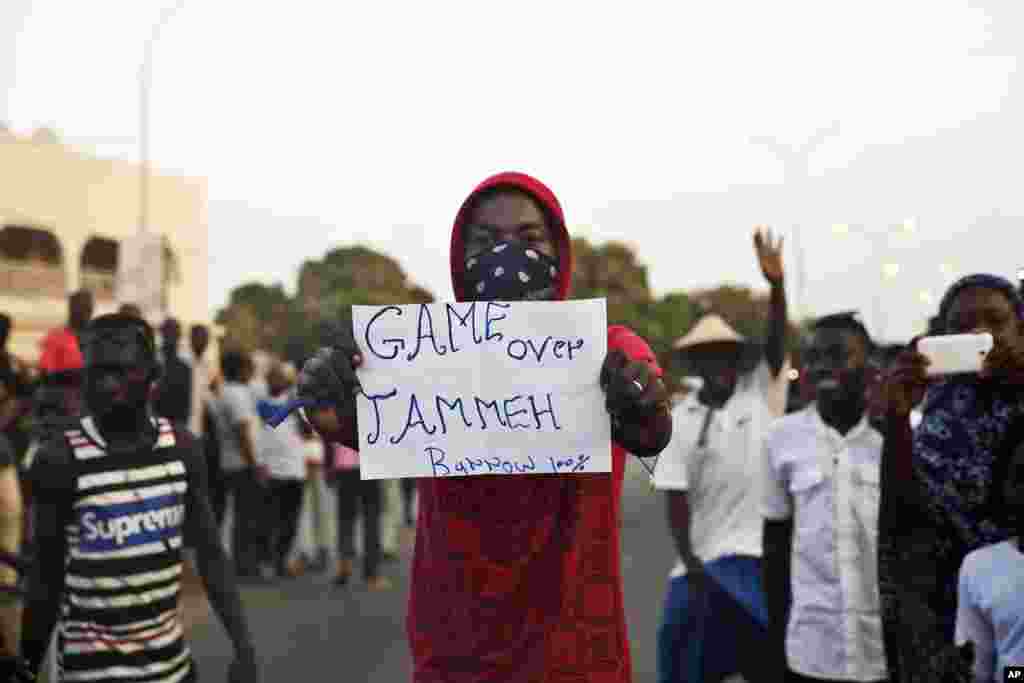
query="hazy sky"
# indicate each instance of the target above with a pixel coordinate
(317, 126)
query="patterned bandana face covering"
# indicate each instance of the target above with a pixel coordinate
(510, 272)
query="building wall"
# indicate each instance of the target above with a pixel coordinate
(55, 188)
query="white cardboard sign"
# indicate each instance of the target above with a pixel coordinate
(461, 389)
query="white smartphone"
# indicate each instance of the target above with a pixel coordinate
(955, 354)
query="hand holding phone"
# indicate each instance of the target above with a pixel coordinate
(955, 354)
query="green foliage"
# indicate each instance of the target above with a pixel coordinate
(264, 317)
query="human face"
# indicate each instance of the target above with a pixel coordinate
(117, 374)
(716, 363)
(200, 339)
(1013, 486)
(81, 308)
(836, 363)
(277, 382)
(508, 217)
(980, 309)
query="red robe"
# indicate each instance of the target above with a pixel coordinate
(518, 579)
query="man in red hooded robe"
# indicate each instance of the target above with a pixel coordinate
(516, 579)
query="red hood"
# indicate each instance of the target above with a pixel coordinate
(546, 198)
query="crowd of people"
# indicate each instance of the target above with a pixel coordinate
(863, 523)
(276, 483)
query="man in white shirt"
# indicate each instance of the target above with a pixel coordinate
(710, 470)
(821, 497)
(283, 452)
(990, 599)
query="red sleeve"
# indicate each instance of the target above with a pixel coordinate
(48, 356)
(633, 345)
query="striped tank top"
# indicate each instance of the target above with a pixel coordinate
(119, 618)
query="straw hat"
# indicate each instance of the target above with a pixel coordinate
(709, 330)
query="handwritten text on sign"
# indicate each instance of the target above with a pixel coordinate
(457, 389)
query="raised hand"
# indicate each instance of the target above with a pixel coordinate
(905, 382)
(1005, 363)
(769, 254)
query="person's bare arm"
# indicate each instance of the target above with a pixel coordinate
(12, 523)
(769, 256)
(203, 534)
(243, 429)
(679, 523)
(51, 502)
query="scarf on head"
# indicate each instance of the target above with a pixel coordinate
(964, 422)
(985, 281)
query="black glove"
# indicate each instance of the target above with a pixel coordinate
(633, 396)
(327, 380)
(631, 389)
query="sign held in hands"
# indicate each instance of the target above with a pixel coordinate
(460, 389)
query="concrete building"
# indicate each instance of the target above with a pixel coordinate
(63, 215)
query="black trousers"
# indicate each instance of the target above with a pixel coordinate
(353, 493)
(218, 489)
(283, 506)
(248, 535)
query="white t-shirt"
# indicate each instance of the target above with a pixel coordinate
(282, 449)
(828, 484)
(235, 406)
(723, 478)
(990, 608)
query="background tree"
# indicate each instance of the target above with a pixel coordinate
(264, 317)
(255, 316)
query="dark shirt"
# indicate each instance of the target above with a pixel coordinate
(6, 452)
(103, 517)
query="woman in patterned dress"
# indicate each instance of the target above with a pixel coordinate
(936, 479)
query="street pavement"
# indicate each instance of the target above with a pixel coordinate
(308, 630)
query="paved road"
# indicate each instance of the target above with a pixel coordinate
(308, 630)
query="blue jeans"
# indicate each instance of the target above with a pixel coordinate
(731, 638)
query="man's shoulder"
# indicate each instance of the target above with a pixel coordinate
(234, 393)
(873, 436)
(688, 410)
(54, 450)
(785, 428)
(687, 404)
(182, 435)
(52, 464)
(982, 560)
(235, 389)
(186, 446)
